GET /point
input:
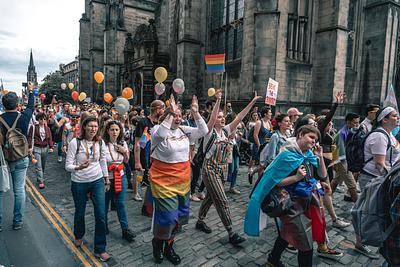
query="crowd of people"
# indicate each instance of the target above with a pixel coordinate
(181, 155)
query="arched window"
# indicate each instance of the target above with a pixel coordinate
(299, 30)
(226, 28)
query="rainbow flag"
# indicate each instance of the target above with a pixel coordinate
(215, 63)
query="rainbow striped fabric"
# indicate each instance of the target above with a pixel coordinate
(215, 63)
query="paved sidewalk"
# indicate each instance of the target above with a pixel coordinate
(194, 247)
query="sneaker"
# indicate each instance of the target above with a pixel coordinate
(17, 226)
(330, 254)
(366, 251)
(78, 242)
(128, 235)
(348, 198)
(340, 223)
(236, 239)
(137, 197)
(194, 198)
(103, 256)
(234, 191)
(41, 186)
(272, 264)
(291, 249)
(59, 159)
(201, 195)
(250, 178)
(202, 226)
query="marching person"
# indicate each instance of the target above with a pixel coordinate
(117, 154)
(219, 148)
(42, 145)
(17, 167)
(170, 177)
(86, 160)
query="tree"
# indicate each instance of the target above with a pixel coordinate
(51, 86)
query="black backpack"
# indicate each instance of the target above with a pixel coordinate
(355, 143)
(198, 159)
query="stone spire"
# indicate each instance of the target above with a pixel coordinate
(31, 74)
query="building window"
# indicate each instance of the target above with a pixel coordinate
(299, 30)
(226, 28)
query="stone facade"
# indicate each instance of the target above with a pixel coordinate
(313, 48)
(70, 72)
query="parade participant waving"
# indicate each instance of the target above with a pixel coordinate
(170, 177)
(117, 154)
(217, 148)
(86, 160)
(295, 170)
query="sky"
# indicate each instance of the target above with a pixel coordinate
(49, 27)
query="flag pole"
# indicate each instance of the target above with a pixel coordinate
(226, 89)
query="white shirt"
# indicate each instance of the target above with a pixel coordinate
(42, 132)
(219, 138)
(113, 156)
(376, 144)
(366, 124)
(172, 145)
(97, 168)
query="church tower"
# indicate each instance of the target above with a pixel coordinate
(31, 75)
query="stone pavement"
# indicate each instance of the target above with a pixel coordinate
(195, 248)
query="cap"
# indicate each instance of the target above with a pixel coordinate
(294, 112)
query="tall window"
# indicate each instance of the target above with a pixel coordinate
(299, 30)
(226, 33)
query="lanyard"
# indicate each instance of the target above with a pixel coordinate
(87, 149)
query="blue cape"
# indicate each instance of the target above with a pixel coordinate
(286, 162)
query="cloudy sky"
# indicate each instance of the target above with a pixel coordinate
(49, 27)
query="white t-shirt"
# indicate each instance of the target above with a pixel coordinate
(42, 132)
(376, 144)
(219, 138)
(172, 145)
(113, 156)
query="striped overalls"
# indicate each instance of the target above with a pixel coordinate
(212, 172)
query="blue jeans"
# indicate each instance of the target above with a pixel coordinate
(119, 202)
(233, 170)
(18, 173)
(59, 148)
(79, 193)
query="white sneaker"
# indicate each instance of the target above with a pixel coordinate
(137, 197)
(59, 159)
(194, 198)
(340, 223)
(366, 251)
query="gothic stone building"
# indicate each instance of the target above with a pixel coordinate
(313, 48)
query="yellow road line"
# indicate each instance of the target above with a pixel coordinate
(62, 222)
(59, 230)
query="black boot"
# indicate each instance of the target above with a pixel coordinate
(158, 246)
(170, 254)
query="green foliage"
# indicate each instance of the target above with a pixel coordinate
(52, 86)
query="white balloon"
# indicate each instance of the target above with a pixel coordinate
(63, 86)
(159, 88)
(121, 105)
(179, 86)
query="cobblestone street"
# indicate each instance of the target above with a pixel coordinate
(195, 248)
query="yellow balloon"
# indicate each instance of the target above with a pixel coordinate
(71, 86)
(160, 74)
(82, 96)
(211, 92)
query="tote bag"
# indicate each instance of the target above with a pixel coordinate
(4, 173)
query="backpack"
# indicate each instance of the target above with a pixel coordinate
(355, 144)
(15, 145)
(198, 159)
(370, 213)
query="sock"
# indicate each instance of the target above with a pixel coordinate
(322, 247)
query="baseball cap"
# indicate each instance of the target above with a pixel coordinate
(294, 112)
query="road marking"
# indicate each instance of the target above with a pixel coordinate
(43, 205)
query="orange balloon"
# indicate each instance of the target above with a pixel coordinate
(75, 95)
(108, 98)
(127, 93)
(98, 77)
